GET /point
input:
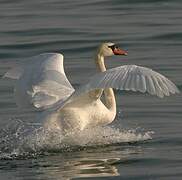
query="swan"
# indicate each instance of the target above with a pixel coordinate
(41, 84)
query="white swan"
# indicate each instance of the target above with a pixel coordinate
(41, 83)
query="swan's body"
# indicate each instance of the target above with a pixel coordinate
(41, 84)
(84, 113)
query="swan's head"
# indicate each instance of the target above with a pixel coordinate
(110, 49)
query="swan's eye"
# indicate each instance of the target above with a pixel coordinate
(113, 47)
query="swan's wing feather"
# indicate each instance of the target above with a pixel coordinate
(131, 77)
(49, 92)
(41, 81)
(37, 64)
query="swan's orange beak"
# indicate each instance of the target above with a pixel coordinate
(118, 51)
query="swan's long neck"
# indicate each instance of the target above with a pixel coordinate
(99, 60)
(108, 93)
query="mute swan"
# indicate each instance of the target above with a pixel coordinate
(41, 83)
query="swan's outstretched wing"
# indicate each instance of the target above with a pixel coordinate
(132, 77)
(128, 77)
(41, 81)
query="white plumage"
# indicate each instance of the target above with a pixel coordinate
(41, 83)
(135, 78)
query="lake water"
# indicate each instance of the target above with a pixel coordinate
(145, 140)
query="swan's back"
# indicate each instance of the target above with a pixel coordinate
(40, 81)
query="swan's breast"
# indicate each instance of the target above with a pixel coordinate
(82, 115)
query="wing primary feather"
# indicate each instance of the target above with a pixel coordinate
(132, 83)
(163, 86)
(127, 82)
(173, 89)
(143, 83)
(159, 91)
(138, 82)
(150, 85)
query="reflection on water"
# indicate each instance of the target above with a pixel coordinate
(85, 168)
(100, 162)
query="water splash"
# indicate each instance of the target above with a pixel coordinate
(22, 140)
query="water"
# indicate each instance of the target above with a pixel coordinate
(144, 142)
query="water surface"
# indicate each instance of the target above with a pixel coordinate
(144, 142)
